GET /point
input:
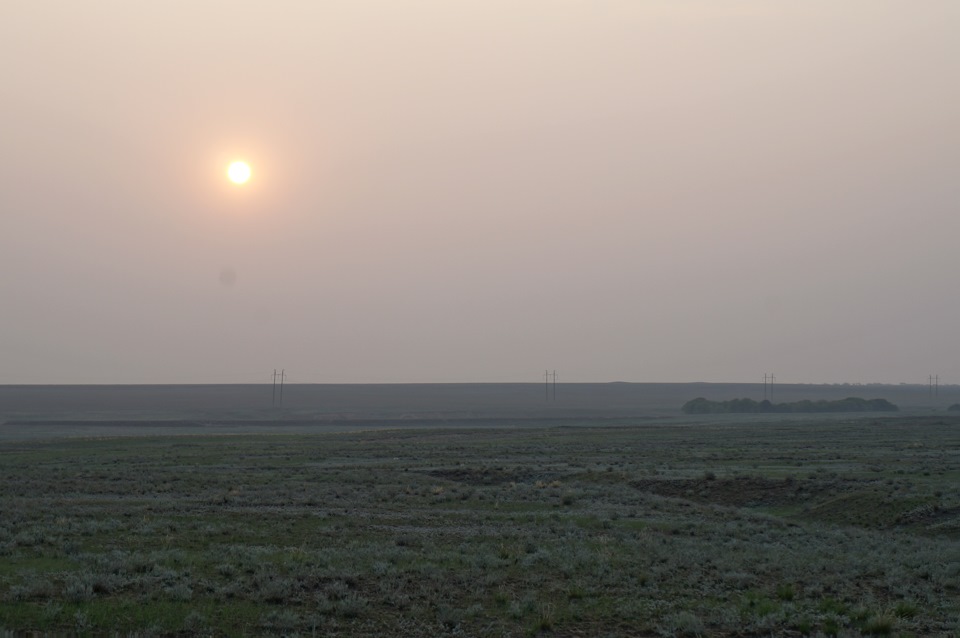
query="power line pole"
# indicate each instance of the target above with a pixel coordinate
(283, 374)
(273, 397)
(764, 386)
(554, 385)
(546, 385)
(773, 380)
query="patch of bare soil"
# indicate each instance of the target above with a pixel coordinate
(742, 491)
(482, 476)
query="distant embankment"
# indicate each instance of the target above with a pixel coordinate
(749, 406)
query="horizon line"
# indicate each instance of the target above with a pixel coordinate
(398, 383)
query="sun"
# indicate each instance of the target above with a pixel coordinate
(239, 172)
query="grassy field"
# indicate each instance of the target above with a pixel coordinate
(835, 526)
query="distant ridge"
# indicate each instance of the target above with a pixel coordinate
(325, 402)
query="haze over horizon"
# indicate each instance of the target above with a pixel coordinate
(683, 190)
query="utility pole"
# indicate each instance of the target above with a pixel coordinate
(764, 386)
(273, 397)
(549, 377)
(283, 374)
(773, 380)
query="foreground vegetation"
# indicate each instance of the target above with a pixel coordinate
(786, 529)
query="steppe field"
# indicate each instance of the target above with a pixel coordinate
(475, 510)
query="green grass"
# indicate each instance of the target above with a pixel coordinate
(758, 528)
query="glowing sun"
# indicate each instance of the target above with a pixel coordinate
(238, 172)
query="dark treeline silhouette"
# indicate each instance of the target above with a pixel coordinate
(749, 406)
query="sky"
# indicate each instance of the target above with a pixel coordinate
(479, 190)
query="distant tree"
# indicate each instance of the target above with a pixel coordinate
(699, 406)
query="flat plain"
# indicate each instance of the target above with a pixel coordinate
(561, 524)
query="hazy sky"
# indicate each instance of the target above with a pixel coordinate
(476, 190)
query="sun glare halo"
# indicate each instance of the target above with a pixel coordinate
(239, 172)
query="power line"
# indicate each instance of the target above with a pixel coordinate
(282, 375)
(547, 378)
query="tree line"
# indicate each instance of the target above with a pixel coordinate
(749, 406)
